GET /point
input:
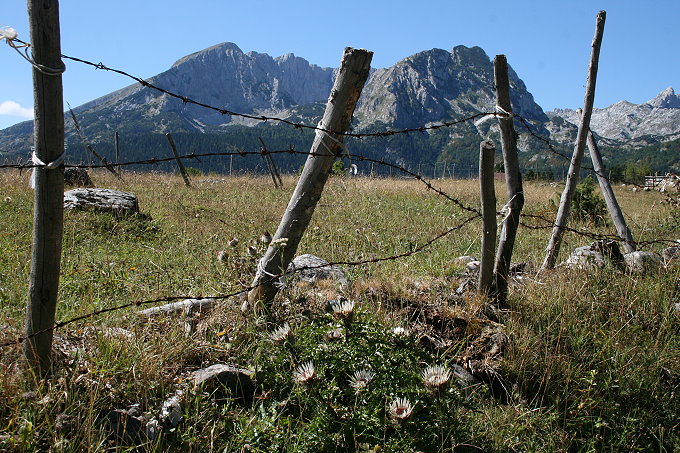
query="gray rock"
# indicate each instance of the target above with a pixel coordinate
(104, 200)
(77, 177)
(595, 255)
(640, 261)
(171, 412)
(671, 256)
(219, 377)
(311, 268)
(465, 380)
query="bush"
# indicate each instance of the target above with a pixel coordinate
(587, 204)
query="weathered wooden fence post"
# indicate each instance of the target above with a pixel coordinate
(513, 182)
(116, 144)
(609, 197)
(553, 248)
(48, 217)
(487, 152)
(326, 147)
(180, 165)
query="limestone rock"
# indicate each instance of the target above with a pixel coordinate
(104, 200)
(595, 255)
(238, 381)
(640, 261)
(671, 256)
(311, 268)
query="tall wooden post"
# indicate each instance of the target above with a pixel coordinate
(609, 197)
(180, 165)
(326, 147)
(48, 217)
(513, 182)
(553, 248)
(487, 152)
(116, 143)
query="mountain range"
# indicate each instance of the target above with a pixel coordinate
(425, 88)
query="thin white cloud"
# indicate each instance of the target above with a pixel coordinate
(14, 109)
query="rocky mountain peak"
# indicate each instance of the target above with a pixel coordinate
(666, 99)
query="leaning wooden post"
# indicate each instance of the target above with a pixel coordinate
(513, 181)
(180, 165)
(48, 217)
(326, 147)
(487, 152)
(609, 197)
(555, 242)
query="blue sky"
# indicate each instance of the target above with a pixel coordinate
(547, 42)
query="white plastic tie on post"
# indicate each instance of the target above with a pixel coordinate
(261, 271)
(500, 113)
(345, 151)
(506, 210)
(51, 166)
(8, 33)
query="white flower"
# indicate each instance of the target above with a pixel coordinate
(305, 373)
(360, 379)
(435, 377)
(400, 410)
(282, 333)
(400, 332)
(342, 308)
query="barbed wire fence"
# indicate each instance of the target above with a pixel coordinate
(545, 223)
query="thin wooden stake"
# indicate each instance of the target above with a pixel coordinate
(325, 149)
(180, 165)
(609, 197)
(48, 217)
(89, 147)
(513, 182)
(487, 152)
(276, 177)
(553, 248)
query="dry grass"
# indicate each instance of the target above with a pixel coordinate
(583, 361)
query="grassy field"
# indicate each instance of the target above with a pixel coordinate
(582, 361)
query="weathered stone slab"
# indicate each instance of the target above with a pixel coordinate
(103, 200)
(238, 381)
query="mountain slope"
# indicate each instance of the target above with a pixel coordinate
(658, 117)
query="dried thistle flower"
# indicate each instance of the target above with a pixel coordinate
(360, 379)
(282, 333)
(436, 377)
(233, 242)
(400, 410)
(400, 332)
(343, 309)
(266, 237)
(305, 373)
